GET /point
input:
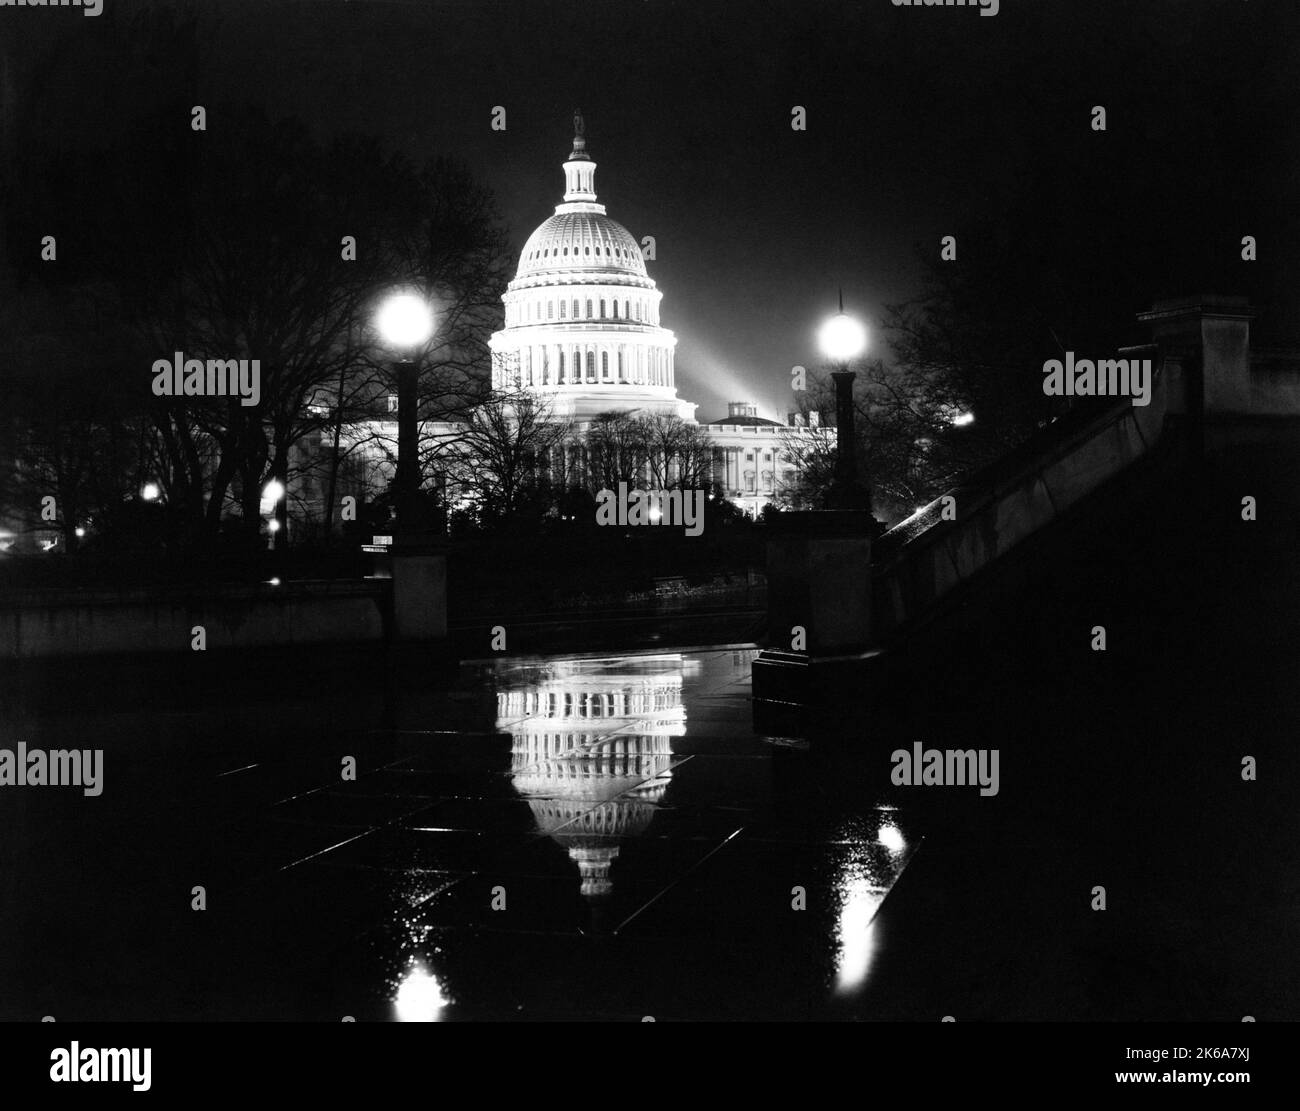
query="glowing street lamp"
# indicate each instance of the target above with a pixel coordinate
(842, 339)
(405, 324)
(149, 491)
(404, 321)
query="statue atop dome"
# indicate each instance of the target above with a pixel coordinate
(580, 153)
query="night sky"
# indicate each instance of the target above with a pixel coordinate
(920, 121)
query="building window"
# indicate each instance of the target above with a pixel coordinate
(392, 403)
(564, 308)
(589, 309)
(591, 366)
(561, 366)
(575, 310)
(615, 310)
(550, 310)
(604, 364)
(627, 308)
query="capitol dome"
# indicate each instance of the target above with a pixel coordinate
(582, 331)
(571, 241)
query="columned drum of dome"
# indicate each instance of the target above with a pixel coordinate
(582, 325)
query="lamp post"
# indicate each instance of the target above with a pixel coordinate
(819, 579)
(842, 339)
(405, 323)
(418, 564)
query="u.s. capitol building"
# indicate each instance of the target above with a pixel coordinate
(583, 333)
(583, 337)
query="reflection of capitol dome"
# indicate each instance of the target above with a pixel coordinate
(582, 326)
(591, 754)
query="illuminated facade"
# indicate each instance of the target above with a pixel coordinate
(583, 335)
(582, 324)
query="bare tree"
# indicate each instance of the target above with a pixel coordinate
(496, 460)
(616, 450)
(678, 453)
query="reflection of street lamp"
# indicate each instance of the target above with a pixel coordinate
(843, 339)
(405, 324)
(419, 996)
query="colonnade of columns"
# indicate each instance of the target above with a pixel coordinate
(746, 476)
(554, 364)
(632, 310)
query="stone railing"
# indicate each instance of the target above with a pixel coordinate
(41, 624)
(924, 557)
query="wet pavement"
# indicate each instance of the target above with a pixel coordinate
(536, 838)
(603, 837)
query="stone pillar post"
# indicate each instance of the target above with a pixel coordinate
(819, 617)
(1217, 329)
(1205, 347)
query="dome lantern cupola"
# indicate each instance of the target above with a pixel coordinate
(579, 174)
